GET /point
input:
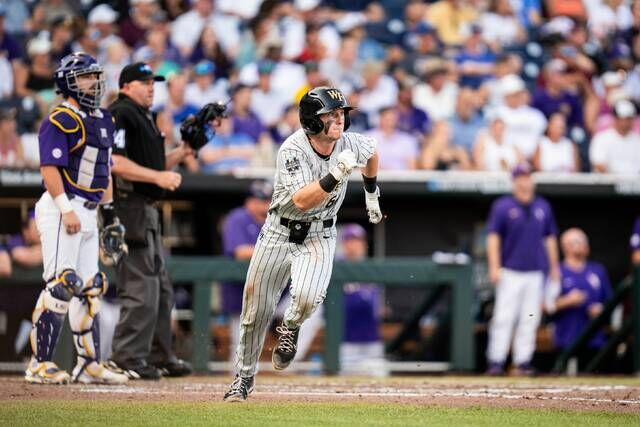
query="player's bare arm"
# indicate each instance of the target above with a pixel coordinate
(53, 183)
(131, 171)
(493, 257)
(551, 246)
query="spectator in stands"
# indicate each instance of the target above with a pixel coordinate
(360, 121)
(159, 47)
(555, 96)
(380, 90)
(521, 246)
(314, 78)
(490, 92)
(61, 35)
(451, 142)
(226, 150)
(617, 150)
(313, 50)
(362, 349)
(267, 103)
(102, 24)
(634, 243)
(9, 47)
(491, 151)
(437, 94)
(501, 27)
(583, 291)
(134, 27)
(11, 152)
(25, 248)
(56, 8)
(208, 48)
(451, 18)
(289, 123)
(6, 269)
(475, 62)
(555, 152)
(524, 125)
(203, 89)
(117, 57)
(240, 231)
(613, 90)
(17, 17)
(398, 150)
(421, 43)
(411, 120)
(36, 77)
(345, 68)
(177, 106)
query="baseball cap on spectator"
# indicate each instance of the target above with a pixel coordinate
(555, 66)
(424, 27)
(61, 20)
(38, 46)
(204, 68)
(353, 231)
(138, 71)
(102, 14)
(265, 66)
(261, 189)
(432, 67)
(612, 79)
(511, 84)
(624, 109)
(520, 169)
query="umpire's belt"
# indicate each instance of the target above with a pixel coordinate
(88, 204)
(327, 223)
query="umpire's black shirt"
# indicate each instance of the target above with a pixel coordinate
(138, 138)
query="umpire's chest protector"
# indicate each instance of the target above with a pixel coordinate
(91, 140)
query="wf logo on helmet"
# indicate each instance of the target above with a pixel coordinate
(336, 94)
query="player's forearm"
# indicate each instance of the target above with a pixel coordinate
(371, 169)
(635, 257)
(309, 196)
(107, 196)
(551, 244)
(52, 180)
(493, 251)
(28, 257)
(131, 171)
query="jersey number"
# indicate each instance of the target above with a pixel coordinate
(332, 201)
(118, 139)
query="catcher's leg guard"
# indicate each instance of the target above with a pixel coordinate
(48, 316)
(84, 318)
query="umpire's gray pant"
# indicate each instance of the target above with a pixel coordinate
(143, 332)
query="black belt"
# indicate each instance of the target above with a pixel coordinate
(327, 223)
(87, 203)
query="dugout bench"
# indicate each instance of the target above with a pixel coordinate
(201, 271)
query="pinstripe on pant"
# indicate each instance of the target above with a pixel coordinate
(274, 261)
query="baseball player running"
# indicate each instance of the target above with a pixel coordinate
(75, 161)
(298, 238)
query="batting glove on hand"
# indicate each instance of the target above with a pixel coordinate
(346, 163)
(373, 206)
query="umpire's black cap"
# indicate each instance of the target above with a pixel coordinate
(138, 71)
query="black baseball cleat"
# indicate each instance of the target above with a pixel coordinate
(286, 349)
(175, 368)
(239, 389)
(140, 371)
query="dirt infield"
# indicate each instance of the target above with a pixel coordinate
(599, 394)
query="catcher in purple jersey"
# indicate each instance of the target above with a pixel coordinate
(75, 143)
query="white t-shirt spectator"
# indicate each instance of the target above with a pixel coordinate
(524, 126)
(218, 91)
(438, 106)
(286, 78)
(6, 82)
(384, 94)
(497, 157)
(396, 151)
(499, 29)
(557, 156)
(187, 28)
(268, 106)
(617, 153)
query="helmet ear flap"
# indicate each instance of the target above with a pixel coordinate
(347, 120)
(312, 125)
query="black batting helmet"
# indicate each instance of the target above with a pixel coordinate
(318, 101)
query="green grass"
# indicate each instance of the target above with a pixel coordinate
(101, 413)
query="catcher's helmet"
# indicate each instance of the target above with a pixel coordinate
(318, 101)
(74, 65)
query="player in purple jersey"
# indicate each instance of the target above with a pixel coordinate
(362, 350)
(634, 242)
(521, 246)
(584, 288)
(75, 162)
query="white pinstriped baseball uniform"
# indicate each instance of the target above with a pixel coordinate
(275, 259)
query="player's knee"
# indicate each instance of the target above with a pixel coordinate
(96, 286)
(65, 285)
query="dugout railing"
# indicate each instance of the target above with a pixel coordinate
(202, 272)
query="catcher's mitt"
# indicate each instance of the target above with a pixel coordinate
(194, 129)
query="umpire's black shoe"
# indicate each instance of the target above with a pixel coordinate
(135, 372)
(286, 349)
(239, 389)
(175, 368)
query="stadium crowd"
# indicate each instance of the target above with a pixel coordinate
(449, 84)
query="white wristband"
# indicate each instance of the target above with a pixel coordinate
(63, 203)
